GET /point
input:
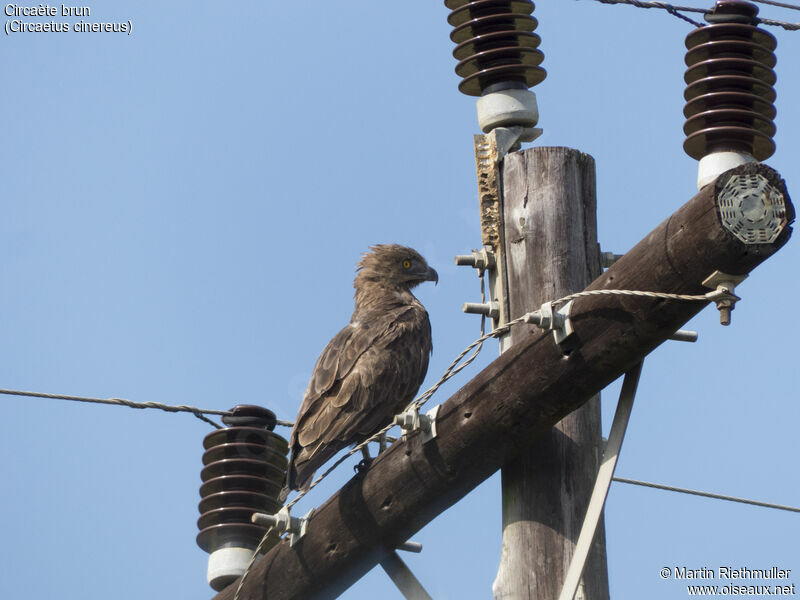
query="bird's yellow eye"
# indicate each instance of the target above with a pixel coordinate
(406, 264)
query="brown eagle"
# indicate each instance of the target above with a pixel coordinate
(373, 367)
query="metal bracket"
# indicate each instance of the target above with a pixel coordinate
(483, 260)
(723, 285)
(284, 522)
(403, 578)
(489, 152)
(411, 421)
(560, 324)
(684, 335)
(509, 139)
(557, 320)
(414, 547)
(603, 482)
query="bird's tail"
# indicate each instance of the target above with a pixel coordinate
(291, 482)
(301, 474)
(284, 493)
(303, 467)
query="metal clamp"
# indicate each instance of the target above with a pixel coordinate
(284, 522)
(557, 320)
(411, 421)
(723, 285)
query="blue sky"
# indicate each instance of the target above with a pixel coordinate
(183, 211)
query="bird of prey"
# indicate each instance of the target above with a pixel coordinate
(372, 368)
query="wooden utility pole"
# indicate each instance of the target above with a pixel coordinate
(550, 248)
(517, 398)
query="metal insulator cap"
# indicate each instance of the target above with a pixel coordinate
(244, 471)
(496, 47)
(730, 78)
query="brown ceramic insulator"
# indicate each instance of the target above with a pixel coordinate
(729, 83)
(731, 49)
(496, 47)
(244, 471)
(730, 66)
(730, 78)
(729, 99)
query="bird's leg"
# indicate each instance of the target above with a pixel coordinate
(366, 460)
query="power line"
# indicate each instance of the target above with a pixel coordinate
(640, 293)
(256, 552)
(207, 420)
(786, 26)
(677, 10)
(197, 412)
(781, 4)
(673, 10)
(670, 488)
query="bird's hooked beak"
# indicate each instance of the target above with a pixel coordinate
(432, 275)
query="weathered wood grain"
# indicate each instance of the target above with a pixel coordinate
(551, 250)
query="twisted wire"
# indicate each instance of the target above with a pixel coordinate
(659, 295)
(253, 558)
(786, 26)
(197, 412)
(677, 10)
(781, 4)
(671, 9)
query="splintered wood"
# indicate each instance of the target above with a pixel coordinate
(486, 164)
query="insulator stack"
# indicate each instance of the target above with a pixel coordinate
(729, 95)
(498, 59)
(244, 471)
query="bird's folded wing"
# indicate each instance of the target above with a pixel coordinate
(334, 386)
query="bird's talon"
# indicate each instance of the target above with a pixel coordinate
(362, 466)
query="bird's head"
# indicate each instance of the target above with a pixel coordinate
(394, 265)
